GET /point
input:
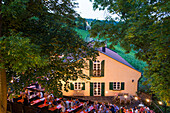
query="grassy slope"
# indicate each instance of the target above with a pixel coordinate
(137, 64)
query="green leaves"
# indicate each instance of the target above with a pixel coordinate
(20, 53)
(39, 43)
(143, 27)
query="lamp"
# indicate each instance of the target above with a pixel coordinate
(147, 100)
(136, 98)
(125, 96)
(160, 102)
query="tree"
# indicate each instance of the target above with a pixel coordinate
(142, 26)
(38, 43)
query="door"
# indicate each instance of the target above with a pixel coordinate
(97, 89)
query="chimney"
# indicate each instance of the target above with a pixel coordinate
(104, 48)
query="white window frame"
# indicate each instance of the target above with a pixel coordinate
(97, 74)
(79, 86)
(116, 85)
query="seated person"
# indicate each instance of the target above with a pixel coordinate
(9, 92)
(55, 102)
(77, 102)
(26, 101)
(96, 106)
(101, 110)
(85, 105)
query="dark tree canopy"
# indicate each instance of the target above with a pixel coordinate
(33, 37)
(143, 26)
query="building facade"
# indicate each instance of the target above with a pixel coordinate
(110, 75)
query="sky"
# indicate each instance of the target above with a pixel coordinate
(86, 10)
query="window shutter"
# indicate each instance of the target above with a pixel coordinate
(122, 85)
(72, 86)
(91, 68)
(111, 85)
(91, 89)
(103, 89)
(102, 68)
(83, 88)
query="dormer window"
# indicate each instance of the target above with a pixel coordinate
(97, 68)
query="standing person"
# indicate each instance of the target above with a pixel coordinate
(72, 102)
(63, 108)
(146, 109)
(123, 110)
(116, 108)
(135, 110)
(67, 104)
(96, 106)
(142, 109)
(108, 111)
(111, 108)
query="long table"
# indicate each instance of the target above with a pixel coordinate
(74, 108)
(55, 107)
(37, 101)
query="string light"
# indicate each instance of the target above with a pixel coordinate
(12, 81)
(147, 100)
(160, 102)
(136, 98)
(125, 96)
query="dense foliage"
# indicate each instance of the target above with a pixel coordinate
(38, 42)
(143, 27)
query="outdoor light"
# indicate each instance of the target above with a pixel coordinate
(147, 100)
(106, 91)
(81, 85)
(136, 98)
(125, 96)
(73, 82)
(160, 102)
(12, 81)
(96, 89)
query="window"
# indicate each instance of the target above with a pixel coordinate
(77, 86)
(116, 85)
(97, 68)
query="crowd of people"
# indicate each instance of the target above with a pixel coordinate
(28, 96)
(113, 108)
